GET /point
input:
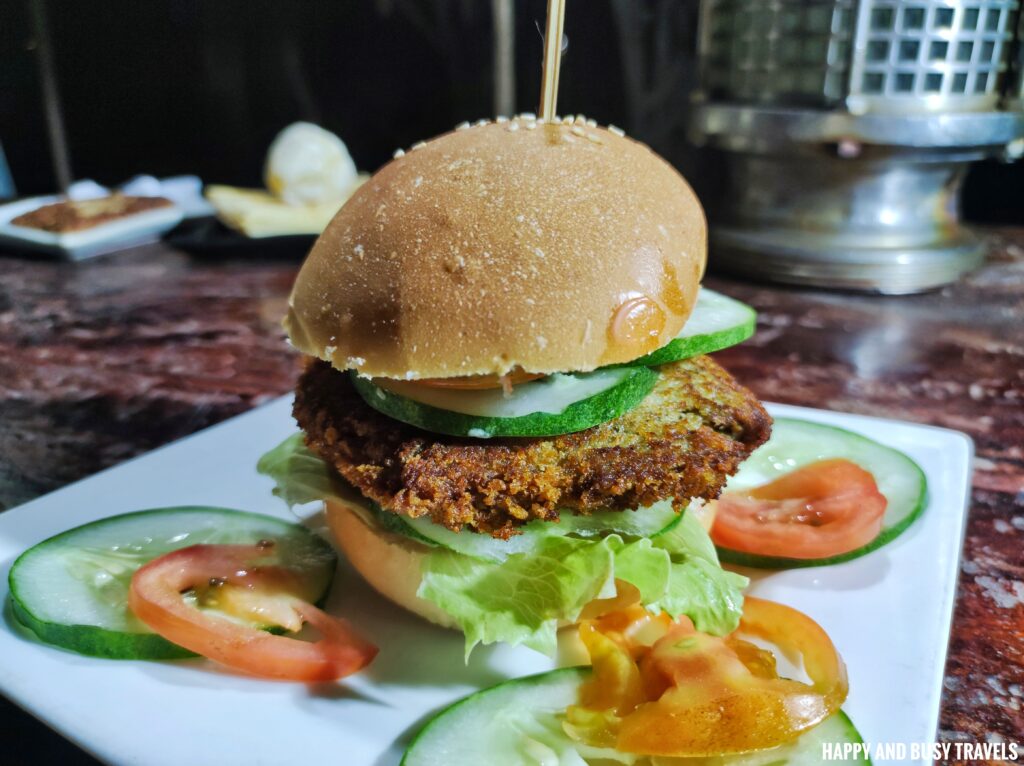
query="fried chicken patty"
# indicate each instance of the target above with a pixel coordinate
(682, 441)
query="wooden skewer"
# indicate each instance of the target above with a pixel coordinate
(552, 60)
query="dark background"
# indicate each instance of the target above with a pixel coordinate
(172, 86)
(202, 86)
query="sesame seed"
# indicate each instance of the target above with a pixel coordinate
(398, 153)
(616, 130)
(567, 120)
(581, 119)
(595, 138)
(418, 145)
(512, 127)
(480, 123)
(462, 126)
(578, 130)
(531, 126)
(528, 116)
(501, 119)
(591, 123)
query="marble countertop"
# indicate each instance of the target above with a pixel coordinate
(109, 358)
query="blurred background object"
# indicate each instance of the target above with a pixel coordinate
(846, 127)
(169, 87)
(308, 175)
(6, 182)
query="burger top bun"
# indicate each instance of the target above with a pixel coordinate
(546, 247)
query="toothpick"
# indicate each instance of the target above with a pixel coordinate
(552, 59)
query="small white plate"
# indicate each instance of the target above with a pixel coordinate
(888, 612)
(138, 229)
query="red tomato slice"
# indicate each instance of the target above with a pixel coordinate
(820, 510)
(688, 694)
(724, 696)
(156, 598)
(478, 382)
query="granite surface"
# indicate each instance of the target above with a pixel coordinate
(106, 359)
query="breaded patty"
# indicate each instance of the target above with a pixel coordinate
(684, 440)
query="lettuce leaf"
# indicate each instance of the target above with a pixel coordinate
(698, 586)
(299, 476)
(521, 600)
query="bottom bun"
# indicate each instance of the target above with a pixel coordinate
(390, 563)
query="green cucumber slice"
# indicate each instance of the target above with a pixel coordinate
(72, 589)
(518, 722)
(643, 522)
(557, 404)
(795, 443)
(717, 322)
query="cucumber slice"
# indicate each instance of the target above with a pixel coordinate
(717, 322)
(72, 590)
(519, 722)
(643, 522)
(795, 443)
(557, 404)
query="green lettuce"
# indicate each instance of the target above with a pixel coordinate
(698, 586)
(299, 476)
(521, 600)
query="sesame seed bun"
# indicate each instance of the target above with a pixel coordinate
(547, 247)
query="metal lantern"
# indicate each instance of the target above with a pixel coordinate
(846, 127)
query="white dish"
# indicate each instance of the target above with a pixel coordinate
(888, 612)
(138, 229)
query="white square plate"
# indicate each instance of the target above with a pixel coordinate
(138, 229)
(888, 612)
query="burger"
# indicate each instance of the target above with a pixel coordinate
(507, 409)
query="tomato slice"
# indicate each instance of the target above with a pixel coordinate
(820, 510)
(681, 693)
(230, 578)
(477, 382)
